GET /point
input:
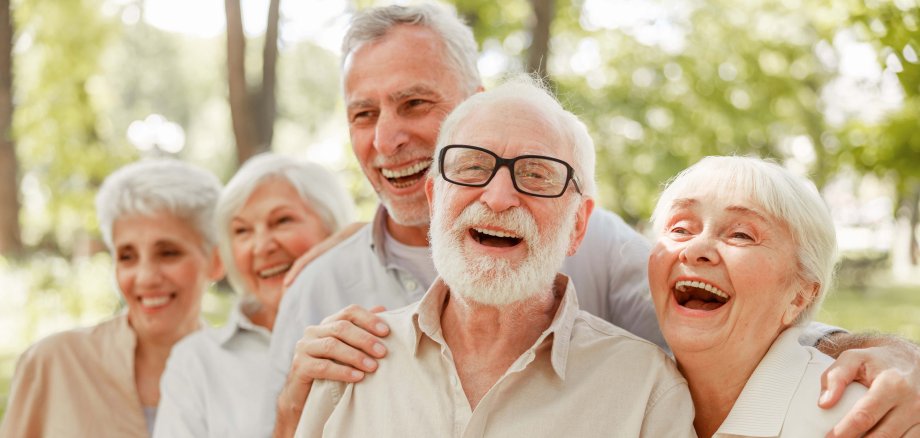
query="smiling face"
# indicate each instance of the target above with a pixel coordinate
(723, 274)
(268, 233)
(494, 244)
(162, 273)
(398, 90)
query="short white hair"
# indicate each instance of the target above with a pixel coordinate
(529, 91)
(155, 186)
(460, 46)
(319, 188)
(790, 199)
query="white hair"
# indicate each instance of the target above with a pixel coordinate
(317, 186)
(529, 91)
(159, 185)
(794, 201)
(460, 47)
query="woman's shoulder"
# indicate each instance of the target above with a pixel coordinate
(79, 341)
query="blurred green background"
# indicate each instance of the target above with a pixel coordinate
(831, 89)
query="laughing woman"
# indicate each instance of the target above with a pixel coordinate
(744, 256)
(103, 381)
(271, 212)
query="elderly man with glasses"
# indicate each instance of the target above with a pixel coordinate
(498, 346)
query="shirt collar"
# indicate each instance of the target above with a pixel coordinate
(763, 403)
(426, 320)
(237, 322)
(378, 236)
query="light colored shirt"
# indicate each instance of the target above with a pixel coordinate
(781, 397)
(609, 272)
(214, 381)
(581, 378)
(77, 383)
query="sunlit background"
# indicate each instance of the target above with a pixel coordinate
(831, 89)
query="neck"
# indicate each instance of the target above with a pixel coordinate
(716, 379)
(486, 340)
(264, 317)
(150, 356)
(408, 235)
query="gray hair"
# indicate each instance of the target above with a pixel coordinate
(161, 185)
(317, 186)
(529, 91)
(794, 201)
(373, 24)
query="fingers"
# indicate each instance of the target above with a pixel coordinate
(320, 249)
(849, 367)
(362, 318)
(864, 414)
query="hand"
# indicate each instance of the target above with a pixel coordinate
(343, 347)
(320, 249)
(891, 407)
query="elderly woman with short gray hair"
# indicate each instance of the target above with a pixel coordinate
(103, 381)
(744, 255)
(271, 213)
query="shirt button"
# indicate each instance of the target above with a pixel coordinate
(411, 285)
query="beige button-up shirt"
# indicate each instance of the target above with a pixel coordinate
(583, 377)
(78, 383)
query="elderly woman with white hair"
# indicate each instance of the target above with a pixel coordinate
(103, 381)
(744, 256)
(270, 213)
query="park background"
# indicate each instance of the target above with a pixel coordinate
(829, 88)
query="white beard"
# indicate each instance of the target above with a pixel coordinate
(497, 281)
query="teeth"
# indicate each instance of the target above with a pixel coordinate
(155, 301)
(495, 233)
(413, 169)
(274, 271)
(683, 285)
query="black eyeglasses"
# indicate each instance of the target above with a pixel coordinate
(534, 175)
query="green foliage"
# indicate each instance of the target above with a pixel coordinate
(56, 126)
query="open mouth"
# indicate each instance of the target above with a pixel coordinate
(274, 271)
(493, 238)
(153, 302)
(699, 296)
(407, 176)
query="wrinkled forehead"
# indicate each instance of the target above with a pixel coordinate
(511, 128)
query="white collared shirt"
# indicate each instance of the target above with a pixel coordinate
(781, 398)
(214, 382)
(581, 378)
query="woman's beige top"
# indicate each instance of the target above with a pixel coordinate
(77, 383)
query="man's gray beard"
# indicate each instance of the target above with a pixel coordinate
(496, 281)
(412, 212)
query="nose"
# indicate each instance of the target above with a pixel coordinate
(148, 272)
(500, 194)
(701, 249)
(389, 133)
(264, 242)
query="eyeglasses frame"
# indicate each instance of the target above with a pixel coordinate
(509, 163)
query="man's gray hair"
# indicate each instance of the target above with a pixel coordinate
(156, 186)
(790, 199)
(529, 91)
(373, 24)
(318, 187)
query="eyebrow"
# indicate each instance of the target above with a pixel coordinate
(415, 90)
(691, 202)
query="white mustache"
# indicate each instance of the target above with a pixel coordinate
(515, 220)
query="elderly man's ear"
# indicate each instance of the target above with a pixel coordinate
(429, 193)
(581, 224)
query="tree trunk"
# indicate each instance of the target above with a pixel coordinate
(913, 209)
(244, 126)
(544, 11)
(267, 103)
(10, 239)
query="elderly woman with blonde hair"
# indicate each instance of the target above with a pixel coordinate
(271, 212)
(103, 381)
(744, 255)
